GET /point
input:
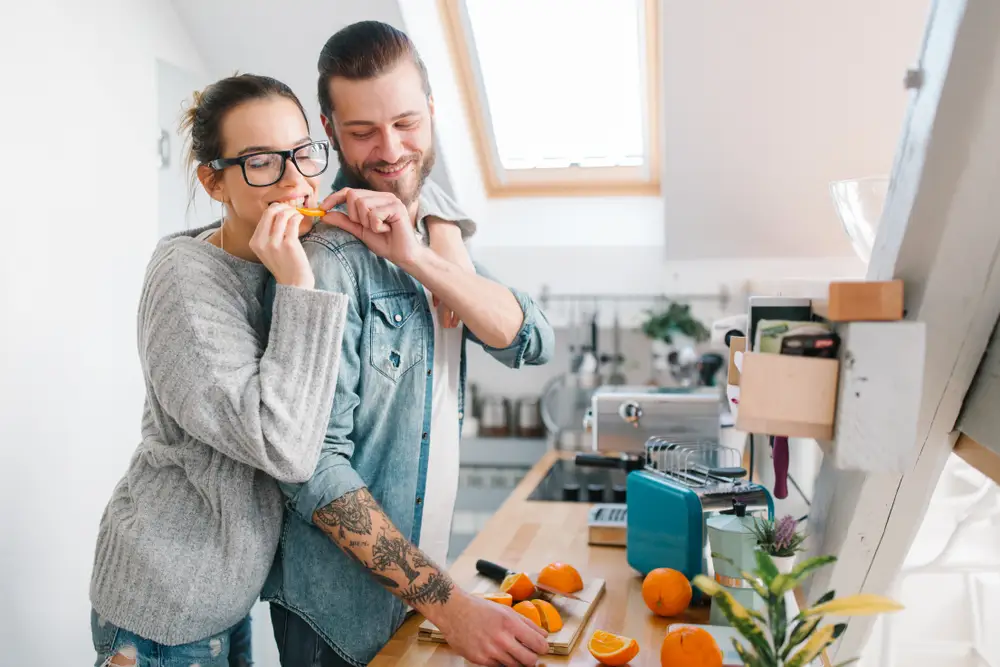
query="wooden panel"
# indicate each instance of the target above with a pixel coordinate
(878, 400)
(575, 614)
(980, 457)
(865, 301)
(980, 416)
(789, 395)
(937, 233)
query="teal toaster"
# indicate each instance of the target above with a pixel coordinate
(666, 517)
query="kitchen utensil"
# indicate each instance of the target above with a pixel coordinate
(529, 418)
(494, 418)
(682, 484)
(575, 615)
(779, 452)
(730, 536)
(498, 573)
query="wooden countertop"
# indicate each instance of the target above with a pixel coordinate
(525, 535)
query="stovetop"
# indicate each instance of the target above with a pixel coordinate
(567, 482)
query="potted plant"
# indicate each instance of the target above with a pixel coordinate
(674, 332)
(779, 539)
(771, 638)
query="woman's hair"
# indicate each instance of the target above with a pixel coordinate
(202, 120)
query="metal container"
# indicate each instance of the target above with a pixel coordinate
(494, 418)
(529, 418)
(622, 419)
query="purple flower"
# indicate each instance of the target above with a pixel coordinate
(784, 532)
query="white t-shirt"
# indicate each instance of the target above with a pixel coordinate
(442, 461)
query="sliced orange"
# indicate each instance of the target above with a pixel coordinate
(500, 598)
(562, 577)
(551, 620)
(529, 611)
(312, 212)
(613, 650)
(518, 585)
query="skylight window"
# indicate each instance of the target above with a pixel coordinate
(563, 93)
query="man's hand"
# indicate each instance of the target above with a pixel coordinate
(379, 220)
(446, 240)
(487, 633)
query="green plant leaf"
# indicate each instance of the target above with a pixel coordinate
(749, 658)
(819, 641)
(779, 620)
(862, 604)
(744, 623)
(800, 632)
(826, 597)
(768, 570)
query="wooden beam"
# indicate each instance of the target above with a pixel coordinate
(980, 457)
(938, 234)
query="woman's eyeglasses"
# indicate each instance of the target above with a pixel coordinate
(268, 167)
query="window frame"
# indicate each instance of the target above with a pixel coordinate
(559, 181)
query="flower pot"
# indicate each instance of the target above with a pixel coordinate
(784, 563)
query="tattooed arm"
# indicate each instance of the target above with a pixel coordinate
(361, 529)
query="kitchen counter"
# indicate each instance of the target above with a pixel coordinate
(525, 535)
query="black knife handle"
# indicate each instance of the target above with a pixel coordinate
(491, 570)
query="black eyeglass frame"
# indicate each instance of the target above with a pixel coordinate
(221, 163)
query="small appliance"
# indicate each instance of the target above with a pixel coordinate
(682, 485)
(731, 537)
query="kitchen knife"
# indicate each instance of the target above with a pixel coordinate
(498, 573)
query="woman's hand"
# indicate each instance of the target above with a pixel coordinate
(276, 244)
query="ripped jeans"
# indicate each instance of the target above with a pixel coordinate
(117, 647)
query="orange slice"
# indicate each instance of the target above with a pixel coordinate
(562, 577)
(313, 212)
(612, 650)
(529, 611)
(518, 585)
(499, 598)
(551, 620)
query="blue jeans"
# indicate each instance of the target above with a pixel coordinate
(230, 648)
(298, 643)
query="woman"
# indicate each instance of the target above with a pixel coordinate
(191, 530)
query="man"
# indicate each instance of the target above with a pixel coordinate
(365, 539)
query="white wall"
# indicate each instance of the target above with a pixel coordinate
(79, 131)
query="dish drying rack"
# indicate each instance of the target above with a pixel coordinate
(696, 463)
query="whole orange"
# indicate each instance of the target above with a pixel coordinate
(666, 592)
(690, 647)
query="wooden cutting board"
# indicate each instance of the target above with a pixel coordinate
(575, 614)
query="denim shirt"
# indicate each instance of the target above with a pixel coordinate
(378, 437)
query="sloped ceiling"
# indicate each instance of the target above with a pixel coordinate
(764, 103)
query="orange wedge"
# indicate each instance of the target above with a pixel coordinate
(499, 598)
(313, 212)
(612, 650)
(562, 577)
(550, 618)
(529, 611)
(518, 585)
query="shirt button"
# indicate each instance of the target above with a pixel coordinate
(419, 500)
(461, 415)
(424, 436)
(397, 317)
(428, 373)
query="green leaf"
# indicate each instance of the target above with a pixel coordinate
(819, 641)
(807, 566)
(768, 570)
(826, 597)
(779, 621)
(740, 618)
(800, 632)
(749, 658)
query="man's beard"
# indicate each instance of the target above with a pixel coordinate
(356, 179)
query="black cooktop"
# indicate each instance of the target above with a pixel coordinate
(567, 482)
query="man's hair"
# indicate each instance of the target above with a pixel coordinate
(364, 50)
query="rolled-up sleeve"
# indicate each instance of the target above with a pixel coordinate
(535, 340)
(334, 475)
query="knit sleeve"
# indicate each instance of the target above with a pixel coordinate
(264, 405)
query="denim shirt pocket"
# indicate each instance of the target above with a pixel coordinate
(397, 334)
